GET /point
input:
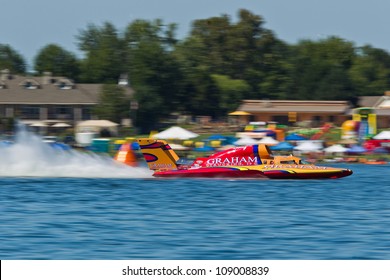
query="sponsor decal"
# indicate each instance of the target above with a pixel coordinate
(295, 166)
(237, 161)
(161, 165)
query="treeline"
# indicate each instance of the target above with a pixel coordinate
(216, 66)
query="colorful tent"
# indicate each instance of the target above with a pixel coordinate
(295, 137)
(384, 135)
(335, 149)
(380, 150)
(282, 146)
(61, 124)
(244, 141)
(175, 132)
(355, 149)
(97, 126)
(239, 113)
(268, 141)
(308, 146)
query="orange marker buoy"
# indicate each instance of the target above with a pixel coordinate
(126, 155)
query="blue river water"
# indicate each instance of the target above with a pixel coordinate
(79, 218)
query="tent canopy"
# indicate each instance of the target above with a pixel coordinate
(175, 132)
(97, 126)
(216, 137)
(178, 147)
(243, 141)
(39, 124)
(384, 135)
(295, 137)
(357, 149)
(239, 113)
(380, 150)
(308, 146)
(97, 123)
(268, 141)
(61, 125)
(335, 149)
(282, 146)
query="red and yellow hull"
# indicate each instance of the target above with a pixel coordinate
(254, 161)
(261, 171)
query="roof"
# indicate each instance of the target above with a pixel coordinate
(381, 104)
(46, 90)
(382, 111)
(16, 89)
(283, 106)
(369, 101)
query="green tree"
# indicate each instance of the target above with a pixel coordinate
(150, 103)
(222, 62)
(370, 71)
(153, 70)
(231, 92)
(113, 103)
(321, 69)
(58, 61)
(275, 81)
(246, 47)
(11, 60)
(242, 51)
(214, 36)
(203, 95)
(105, 57)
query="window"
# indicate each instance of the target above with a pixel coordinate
(30, 112)
(287, 162)
(60, 112)
(63, 110)
(64, 84)
(316, 120)
(280, 119)
(86, 113)
(30, 84)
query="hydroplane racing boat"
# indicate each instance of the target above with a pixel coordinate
(254, 161)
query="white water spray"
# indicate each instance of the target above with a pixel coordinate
(29, 156)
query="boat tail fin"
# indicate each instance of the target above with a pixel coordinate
(158, 154)
(264, 151)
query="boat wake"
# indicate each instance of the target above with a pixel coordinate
(29, 156)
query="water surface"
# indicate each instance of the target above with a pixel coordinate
(140, 217)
